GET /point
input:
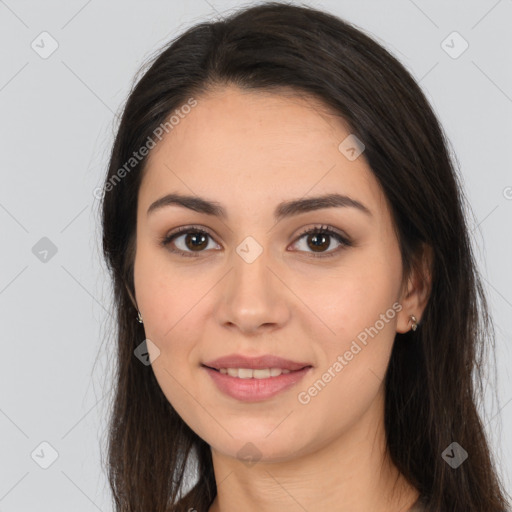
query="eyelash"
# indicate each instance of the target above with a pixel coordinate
(165, 241)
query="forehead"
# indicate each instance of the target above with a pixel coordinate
(249, 148)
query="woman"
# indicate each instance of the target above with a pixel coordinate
(282, 218)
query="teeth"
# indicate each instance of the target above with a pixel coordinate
(249, 373)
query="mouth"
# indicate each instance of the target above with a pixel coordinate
(263, 362)
(255, 384)
(255, 373)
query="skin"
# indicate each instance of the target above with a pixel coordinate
(233, 147)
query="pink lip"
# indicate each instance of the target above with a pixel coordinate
(254, 390)
(266, 361)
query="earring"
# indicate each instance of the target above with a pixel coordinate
(139, 317)
(414, 322)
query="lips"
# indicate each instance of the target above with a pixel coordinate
(255, 389)
(256, 363)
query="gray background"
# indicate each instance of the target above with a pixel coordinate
(57, 120)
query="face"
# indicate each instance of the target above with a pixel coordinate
(254, 284)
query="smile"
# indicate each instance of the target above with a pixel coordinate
(253, 385)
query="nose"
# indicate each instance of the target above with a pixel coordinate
(254, 297)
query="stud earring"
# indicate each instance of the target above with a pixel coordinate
(139, 317)
(414, 322)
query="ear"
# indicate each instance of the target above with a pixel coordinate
(416, 292)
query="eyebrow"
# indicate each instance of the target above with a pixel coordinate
(283, 210)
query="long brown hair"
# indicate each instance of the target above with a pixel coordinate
(434, 379)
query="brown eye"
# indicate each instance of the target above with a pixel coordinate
(319, 239)
(194, 240)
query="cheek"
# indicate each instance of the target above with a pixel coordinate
(348, 299)
(358, 309)
(350, 377)
(168, 302)
(171, 323)
(165, 294)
